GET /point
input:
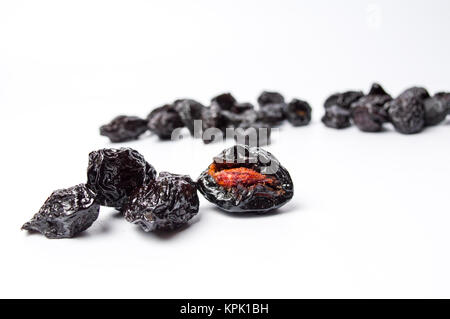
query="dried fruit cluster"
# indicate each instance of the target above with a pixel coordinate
(241, 179)
(223, 112)
(409, 113)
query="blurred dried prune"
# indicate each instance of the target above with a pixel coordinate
(164, 120)
(214, 123)
(436, 108)
(337, 109)
(166, 203)
(245, 179)
(298, 112)
(368, 112)
(272, 114)
(240, 108)
(189, 110)
(114, 174)
(417, 92)
(235, 120)
(407, 114)
(124, 128)
(267, 97)
(225, 101)
(65, 213)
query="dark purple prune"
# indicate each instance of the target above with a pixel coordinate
(255, 134)
(336, 117)
(272, 114)
(298, 112)
(235, 120)
(240, 108)
(166, 203)
(65, 213)
(214, 123)
(247, 180)
(407, 114)
(189, 110)
(225, 101)
(368, 112)
(419, 93)
(164, 120)
(267, 97)
(436, 108)
(124, 128)
(114, 174)
(337, 109)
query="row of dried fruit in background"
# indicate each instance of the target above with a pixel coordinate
(409, 113)
(240, 179)
(223, 112)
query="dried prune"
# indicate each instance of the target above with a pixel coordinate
(272, 114)
(235, 120)
(124, 128)
(407, 114)
(240, 108)
(214, 123)
(417, 92)
(267, 97)
(436, 108)
(368, 112)
(225, 101)
(336, 117)
(246, 179)
(255, 134)
(164, 120)
(298, 112)
(337, 109)
(114, 174)
(189, 110)
(166, 203)
(65, 213)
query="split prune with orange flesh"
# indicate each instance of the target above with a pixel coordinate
(166, 203)
(114, 174)
(124, 128)
(247, 180)
(267, 97)
(65, 213)
(298, 112)
(164, 120)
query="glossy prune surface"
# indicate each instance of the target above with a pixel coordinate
(166, 203)
(298, 112)
(272, 114)
(189, 111)
(337, 109)
(246, 180)
(124, 128)
(164, 120)
(269, 97)
(66, 213)
(225, 101)
(114, 174)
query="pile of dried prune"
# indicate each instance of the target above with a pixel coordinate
(210, 123)
(246, 180)
(241, 179)
(409, 113)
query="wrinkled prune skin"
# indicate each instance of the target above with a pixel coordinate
(189, 111)
(407, 114)
(267, 97)
(298, 112)
(436, 108)
(124, 128)
(336, 117)
(337, 109)
(236, 120)
(246, 180)
(66, 213)
(254, 135)
(272, 114)
(225, 101)
(166, 203)
(368, 112)
(114, 174)
(419, 93)
(164, 120)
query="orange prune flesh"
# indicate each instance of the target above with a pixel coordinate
(245, 179)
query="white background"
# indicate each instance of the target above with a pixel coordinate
(370, 216)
